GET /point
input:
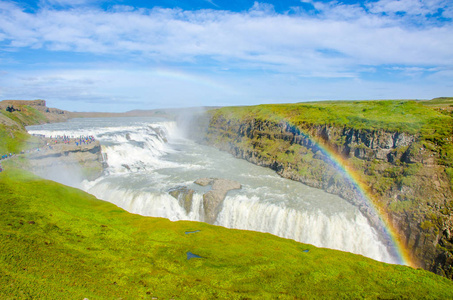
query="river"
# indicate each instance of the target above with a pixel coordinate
(147, 157)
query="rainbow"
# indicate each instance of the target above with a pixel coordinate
(342, 165)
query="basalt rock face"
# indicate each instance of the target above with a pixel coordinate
(86, 160)
(403, 175)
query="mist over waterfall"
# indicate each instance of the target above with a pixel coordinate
(147, 157)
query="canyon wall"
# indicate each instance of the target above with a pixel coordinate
(404, 175)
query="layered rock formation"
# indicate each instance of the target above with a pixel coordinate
(47, 158)
(403, 174)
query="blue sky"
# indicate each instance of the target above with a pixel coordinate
(94, 55)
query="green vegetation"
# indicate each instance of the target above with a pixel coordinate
(13, 136)
(390, 115)
(11, 139)
(59, 242)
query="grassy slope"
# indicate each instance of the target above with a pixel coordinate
(59, 242)
(13, 136)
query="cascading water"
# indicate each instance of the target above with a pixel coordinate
(146, 158)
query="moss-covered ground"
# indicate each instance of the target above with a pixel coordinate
(61, 243)
(391, 115)
(13, 136)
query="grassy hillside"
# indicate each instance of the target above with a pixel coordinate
(13, 136)
(61, 243)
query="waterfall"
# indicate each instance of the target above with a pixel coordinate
(147, 158)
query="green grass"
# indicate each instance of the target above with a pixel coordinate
(13, 136)
(391, 115)
(27, 115)
(417, 181)
(61, 243)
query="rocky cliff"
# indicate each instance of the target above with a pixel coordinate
(51, 158)
(406, 172)
(68, 160)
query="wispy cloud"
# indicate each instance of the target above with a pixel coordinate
(272, 40)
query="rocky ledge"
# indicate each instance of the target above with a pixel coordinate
(85, 158)
(212, 199)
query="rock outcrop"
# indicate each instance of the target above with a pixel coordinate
(401, 172)
(85, 159)
(184, 196)
(213, 199)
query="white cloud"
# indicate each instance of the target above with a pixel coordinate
(211, 2)
(115, 89)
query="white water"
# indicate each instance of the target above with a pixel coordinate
(147, 157)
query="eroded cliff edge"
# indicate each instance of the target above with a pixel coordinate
(406, 167)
